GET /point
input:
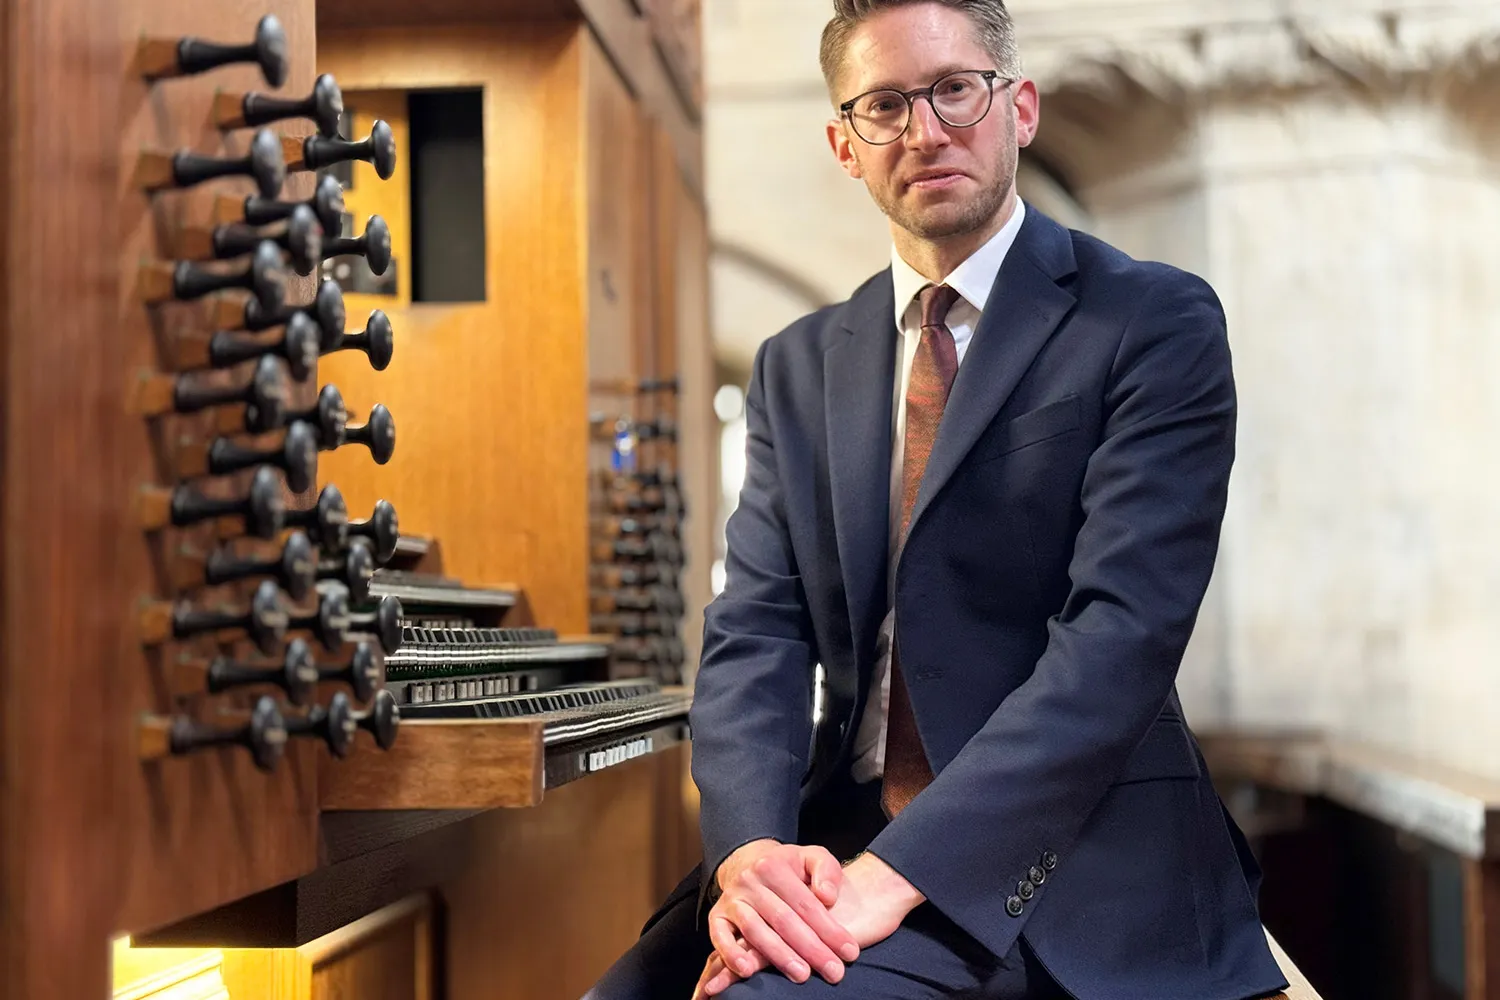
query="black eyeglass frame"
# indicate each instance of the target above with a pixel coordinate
(910, 96)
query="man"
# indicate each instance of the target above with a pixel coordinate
(985, 493)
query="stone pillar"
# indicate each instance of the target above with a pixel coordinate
(1336, 177)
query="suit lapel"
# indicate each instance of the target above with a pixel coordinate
(858, 382)
(1024, 308)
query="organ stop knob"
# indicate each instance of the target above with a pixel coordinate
(382, 528)
(159, 171)
(374, 246)
(324, 106)
(382, 720)
(161, 58)
(263, 621)
(264, 735)
(326, 205)
(260, 509)
(327, 522)
(263, 275)
(333, 724)
(316, 152)
(377, 340)
(363, 672)
(297, 674)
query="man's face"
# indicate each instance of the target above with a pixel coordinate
(936, 181)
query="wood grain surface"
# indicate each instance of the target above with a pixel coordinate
(442, 764)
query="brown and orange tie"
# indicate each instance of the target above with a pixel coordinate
(932, 372)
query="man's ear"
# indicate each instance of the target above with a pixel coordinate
(843, 149)
(1028, 112)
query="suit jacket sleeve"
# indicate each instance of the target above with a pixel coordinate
(752, 704)
(1153, 499)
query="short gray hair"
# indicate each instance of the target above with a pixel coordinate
(992, 26)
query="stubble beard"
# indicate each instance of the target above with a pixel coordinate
(946, 220)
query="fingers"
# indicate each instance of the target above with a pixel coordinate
(720, 981)
(823, 872)
(712, 970)
(760, 936)
(721, 931)
(804, 923)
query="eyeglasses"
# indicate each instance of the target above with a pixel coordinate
(960, 100)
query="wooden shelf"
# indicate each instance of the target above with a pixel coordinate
(441, 764)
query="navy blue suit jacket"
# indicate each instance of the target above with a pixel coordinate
(1059, 550)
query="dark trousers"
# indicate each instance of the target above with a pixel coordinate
(927, 956)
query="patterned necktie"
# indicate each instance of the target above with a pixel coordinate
(932, 371)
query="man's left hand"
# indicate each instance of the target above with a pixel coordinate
(872, 902)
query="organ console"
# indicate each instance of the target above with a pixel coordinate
(202, 569)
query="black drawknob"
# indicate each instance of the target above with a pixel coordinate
(374, 246)
(382, 528)
(294, 568)
(264, 621)
(363, 674)
(384, 622)
(378, 434)
(328, 417)
(263, 275)
(316, 152)
(327, 522)
(264, 735)
(328, 622)
(296, 455)
(377, 340)
(333, 724)
(326, 309)
(183, 169)
(263, 394)
(298, 346)
(353, 568)
(261, 508)
(382, 720)
(297, 674)
(300, 235)
(162, 58)
(326, 204)
(324, 106)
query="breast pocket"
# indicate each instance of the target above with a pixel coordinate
(1047, 421)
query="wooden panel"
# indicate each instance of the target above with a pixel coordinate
(489, 398)
(1481, 930)
(553, 895)
(94, 841)
(167, 973)
(457, 764)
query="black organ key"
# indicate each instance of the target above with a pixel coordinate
(158, 171)
(296, 674)
(326, 522)
(326, 204)
(326, 309)
(261, 509)
(255, 405)
(300, 235)
(382, 720)
(374, 246)
(264, 621)
(377, 340)
(263, 734)
(162, 58)
(363, 673)
(296, 454)
(324, 107)
(315, 152)
(353, 568)
(382, 528)
(263, 276)
(377, 433)
(294, 567)
(333, 724)
(297, 346)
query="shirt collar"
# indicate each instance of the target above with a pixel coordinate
(972, 279)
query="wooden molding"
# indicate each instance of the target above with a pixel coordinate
(198, 978)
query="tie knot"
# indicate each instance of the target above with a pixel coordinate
(936, 300)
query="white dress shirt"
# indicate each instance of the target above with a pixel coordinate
(972, 280)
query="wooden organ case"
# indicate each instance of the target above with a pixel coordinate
(294, 706)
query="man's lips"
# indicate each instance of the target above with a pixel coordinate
(929, 180)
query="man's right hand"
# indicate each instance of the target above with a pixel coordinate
(775, 901)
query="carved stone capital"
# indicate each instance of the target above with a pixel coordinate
(1369, 51)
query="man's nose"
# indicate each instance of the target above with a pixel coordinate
(926, 129)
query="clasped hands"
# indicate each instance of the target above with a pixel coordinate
(797, 909)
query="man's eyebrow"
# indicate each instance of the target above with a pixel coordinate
(888, 84)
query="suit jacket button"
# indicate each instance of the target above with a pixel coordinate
(1013, 906)
(1049, 860)
(1036, 875)
(1025, 889)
